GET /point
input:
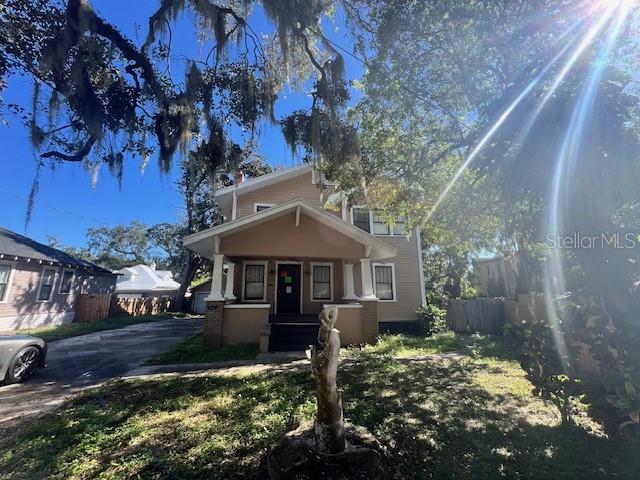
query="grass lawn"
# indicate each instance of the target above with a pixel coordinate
(193, 350)
(67, 330)
(437, 418)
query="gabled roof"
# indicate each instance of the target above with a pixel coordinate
(264, 180)
(202, 242)
(144, 278)
(13, 244)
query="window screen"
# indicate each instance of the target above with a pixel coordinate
(361, 219)
(46, 287)
(321, 282)
(254, 282)
(5, 272)
(384, 282)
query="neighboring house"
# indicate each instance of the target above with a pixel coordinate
(286, 256)
(39, 284)
(496, 276)
(144, 281)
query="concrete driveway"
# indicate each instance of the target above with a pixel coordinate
(81, 362)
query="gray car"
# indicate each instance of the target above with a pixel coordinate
(20, 357)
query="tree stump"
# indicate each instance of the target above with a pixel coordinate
(324, 450)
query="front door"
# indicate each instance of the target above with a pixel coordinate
(288, 291)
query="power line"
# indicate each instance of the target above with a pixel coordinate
(53, 207)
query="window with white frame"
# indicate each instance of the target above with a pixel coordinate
(400, 227)
(360, 218)
(46, 284)
(258, 207)
(254, 281)
(321, 281)
(384, 277)
(373, 222)
(380, 225)
(66, 282)
(5, 276)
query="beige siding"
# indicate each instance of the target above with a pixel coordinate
(297, 187)
(282, 238)
(407, 281)
(22, 296)
(409, 296)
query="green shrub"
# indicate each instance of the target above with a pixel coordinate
(432, 319)
(547, 369)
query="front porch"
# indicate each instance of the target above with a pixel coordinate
(274, 271)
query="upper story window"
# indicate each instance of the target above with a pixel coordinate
(360, 218)
(46, 284)
(380, 225)
(372, 222)
(5, 275)
(258, 207)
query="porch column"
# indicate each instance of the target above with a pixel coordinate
(216, 279)
(228, 292)
(349, 290)
(367, 279)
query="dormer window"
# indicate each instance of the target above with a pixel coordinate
(373, 222)
(360, 218)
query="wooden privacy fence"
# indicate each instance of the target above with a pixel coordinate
(92, 307)
(139, 306)
(488, 315)
(483, 315)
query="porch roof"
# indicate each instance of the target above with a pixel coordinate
(207, 242)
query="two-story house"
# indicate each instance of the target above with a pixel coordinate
(281, 255)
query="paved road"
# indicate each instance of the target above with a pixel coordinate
(81, 362)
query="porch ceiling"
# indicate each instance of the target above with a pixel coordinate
(292, 229)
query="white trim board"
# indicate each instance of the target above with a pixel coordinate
(423, 292)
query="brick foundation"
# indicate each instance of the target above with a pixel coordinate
(369, 320)
(213, 324)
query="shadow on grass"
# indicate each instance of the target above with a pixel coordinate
(434, 417)
(194, 350)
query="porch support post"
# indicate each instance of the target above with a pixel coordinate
(349, 290)
(367, 279)
(228, 291)
(216, 279)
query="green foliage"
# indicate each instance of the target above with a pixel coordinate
(547, 369)
(194, 350)
(432, 319)
(443, 419)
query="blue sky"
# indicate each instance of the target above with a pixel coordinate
(67, 203)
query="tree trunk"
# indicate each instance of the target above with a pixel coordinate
(329, 425)
(189, 272)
